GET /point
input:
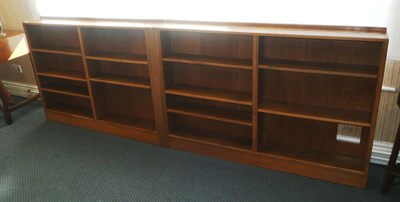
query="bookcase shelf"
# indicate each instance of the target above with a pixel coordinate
(210, 113)
(211, 94)
(210, 131)
(363, 71)
(68, 104)
(69, 87)
(114, 57)
(64, 92)
(63, 74)
(126, 74)
(210, 60)
(60, 66)
(204, 82)
(275, 96)
(343, 161)
(123, 81)
(56, 50)
(67, 108)
(219, 111)
(129, 121)
(331, 98)
(208, 137)
(316, 113)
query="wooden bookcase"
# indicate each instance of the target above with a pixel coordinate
(274, 96)
(322, 83)
(201, 105)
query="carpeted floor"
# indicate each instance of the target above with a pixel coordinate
(47, 161)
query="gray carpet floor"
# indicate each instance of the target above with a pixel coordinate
(47, 161)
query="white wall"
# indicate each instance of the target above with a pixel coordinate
(14, 12)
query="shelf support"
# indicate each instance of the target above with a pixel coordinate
(86, 72)
(155, 65)
(255, 93)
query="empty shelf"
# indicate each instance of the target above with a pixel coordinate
(316, 113)
(213, 113)
(209, 60)
(363, 71)
(242, 142)
(211, 94)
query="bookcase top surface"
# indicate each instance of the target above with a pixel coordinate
(279, 30)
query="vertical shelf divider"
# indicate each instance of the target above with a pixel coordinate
(86, 72)
(375, 108)
(255, 93)
(155, 66)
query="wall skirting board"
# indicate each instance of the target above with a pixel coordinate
(380, 150)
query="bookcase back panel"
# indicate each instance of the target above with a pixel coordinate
(114, 41)
(318, 50)
(347, 93)
(49, 61)
(213, 126)
(54, 37)
(64, 85)
(122, 100)
(208, 77)
(302, 135)
(210, 131)
(68, 104)
(114, 69)
(207, 44)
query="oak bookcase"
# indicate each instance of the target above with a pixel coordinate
(274, 96)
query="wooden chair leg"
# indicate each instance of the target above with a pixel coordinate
(9, 105)
(6, 109)
(6, 99)
(5, 94)
(389, 177)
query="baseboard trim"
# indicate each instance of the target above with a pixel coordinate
(21, 89)
(381, 152)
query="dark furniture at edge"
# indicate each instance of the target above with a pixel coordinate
(8, 45)
(393, 168)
